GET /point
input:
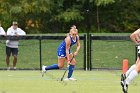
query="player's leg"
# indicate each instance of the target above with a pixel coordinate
(131, 76)
(130, 69)
(54, 66)
(123, 76)
(133, 73)
(61, 59)
(14, 53)
(71, 69)
(8, 53)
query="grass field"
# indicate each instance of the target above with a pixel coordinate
(87, 82)
(105, 54)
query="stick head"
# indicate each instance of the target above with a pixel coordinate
(61, 79)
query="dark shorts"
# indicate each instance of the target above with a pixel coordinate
(10, 50)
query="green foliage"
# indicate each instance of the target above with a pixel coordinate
(16, 10)
(45, 16)
(103, 2)
(70, 15)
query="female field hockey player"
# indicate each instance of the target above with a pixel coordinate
(135, 68)
(64, 53)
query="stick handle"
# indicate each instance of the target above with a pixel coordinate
(67, 68)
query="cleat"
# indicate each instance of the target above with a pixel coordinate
(43, 70)
(123, 77)
(124, 86)
(70, 79)
(123, 83)
(66, 79)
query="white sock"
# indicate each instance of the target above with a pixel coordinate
(130, 69)
(131, 76)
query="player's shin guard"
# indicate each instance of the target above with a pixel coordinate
(54, 66)
(130, 69)
(71, 68)
(131, 76)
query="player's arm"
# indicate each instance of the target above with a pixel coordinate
(2, 32)
(78, 47)
(8, 32)
(135, 37)
(68, 42)
(21, 32)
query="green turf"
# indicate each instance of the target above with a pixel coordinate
(87, 82)
(110, 54)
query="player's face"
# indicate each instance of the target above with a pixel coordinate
(74, 34)
(15, 26)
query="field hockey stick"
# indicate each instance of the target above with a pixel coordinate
(66, 69)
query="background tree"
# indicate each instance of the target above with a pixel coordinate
(56, 16)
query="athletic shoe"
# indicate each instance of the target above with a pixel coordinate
(70, 79)
(124, 86)
(43, 70)
(66, 79)
(123, 77)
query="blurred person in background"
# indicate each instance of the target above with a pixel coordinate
(12, 45)
(2, 32)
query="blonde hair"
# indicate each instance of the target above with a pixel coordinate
(72, 28)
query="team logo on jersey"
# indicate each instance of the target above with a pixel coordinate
(62, 55)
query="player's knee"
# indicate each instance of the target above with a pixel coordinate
(7, 56)
(60, 66)
(15, 56)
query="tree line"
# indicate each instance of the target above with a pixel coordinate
(56, 16)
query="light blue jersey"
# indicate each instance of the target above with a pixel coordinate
(61, 51)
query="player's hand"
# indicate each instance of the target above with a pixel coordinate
(69, 62)
(16, 34)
